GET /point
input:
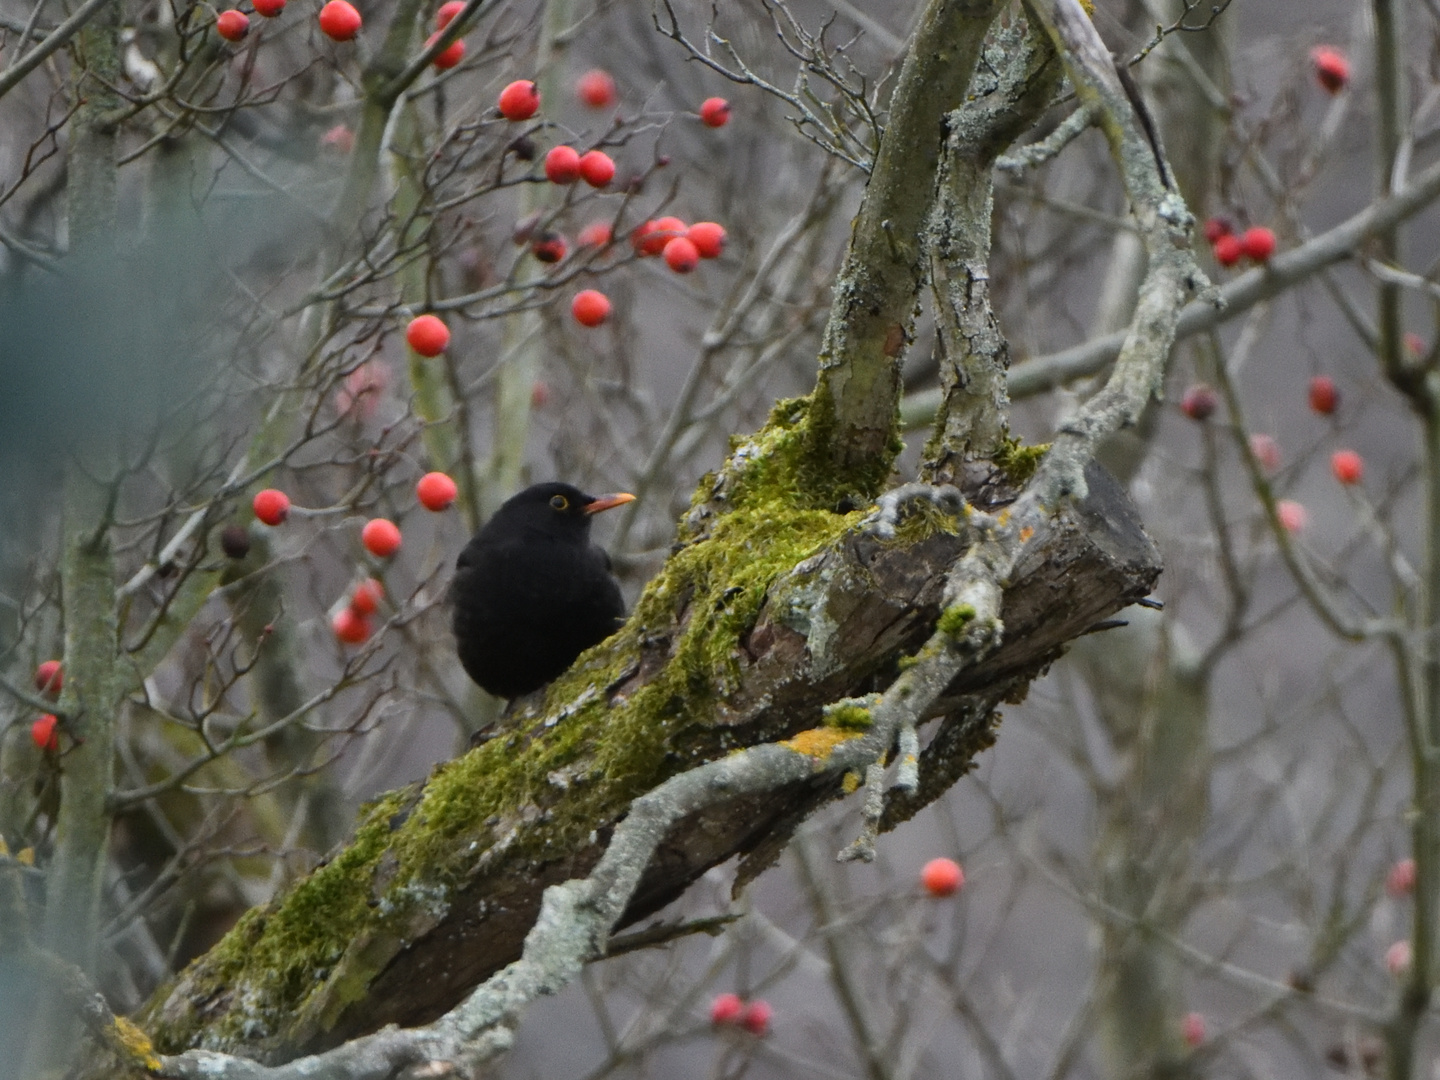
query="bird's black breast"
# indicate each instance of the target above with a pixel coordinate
(526, 606)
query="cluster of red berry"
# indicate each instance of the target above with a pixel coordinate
(340, 21)
(1256, 243)
(682, 246)
(1199, 403)
(1347, 466)
(1332, 71)
(380, 537)
(939, 877)
(733, 1010)
(352, 622)
(49, 680)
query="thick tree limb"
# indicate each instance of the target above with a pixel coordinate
(974, 357)
(873, 309)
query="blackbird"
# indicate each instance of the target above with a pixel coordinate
(531, 592)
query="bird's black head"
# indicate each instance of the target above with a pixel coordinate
(554, 509)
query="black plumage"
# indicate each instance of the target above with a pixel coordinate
(531, 592)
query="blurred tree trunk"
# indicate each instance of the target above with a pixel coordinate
(1150, 696)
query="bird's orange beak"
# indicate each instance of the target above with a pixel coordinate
(605, 502)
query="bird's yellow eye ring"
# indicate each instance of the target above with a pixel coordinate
(559, 502)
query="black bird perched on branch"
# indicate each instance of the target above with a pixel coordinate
(531, 592)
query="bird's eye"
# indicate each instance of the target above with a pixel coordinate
(559, 502)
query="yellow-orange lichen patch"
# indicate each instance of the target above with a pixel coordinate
(820, 742)
(135, 1044)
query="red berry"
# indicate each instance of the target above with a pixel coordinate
(596, 89)
(269, 8)
(449, 56)
(427, 335)
(1324, 395)
(708, 238)
(942, 877)
(520, 100)
(726, 1009)
(596, 234)
(271, 506)
(1347, 466)
(1192, 1029)
(715, 112)
(367, 596)
(562, 165)
(380, 537)
(590, 308)
(1414, 343)
(539, 394)
(339, 138)
(756, 1017)
(640, 238)
(232, 25)
(651, 237)
(597, 168)
(44, 735)
(1401, 878)
(1258, 243)
(49, 678)
(436, 491)
(447, 13)
(1266, 451)
(681, 255)
(1332, 70)
(1293, 517)
(1199, 402)
(1227, 250)
(350, 626)
(549, 247)
(1217, 227)
(360, 394)
(340, 20)
(1397, 958)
